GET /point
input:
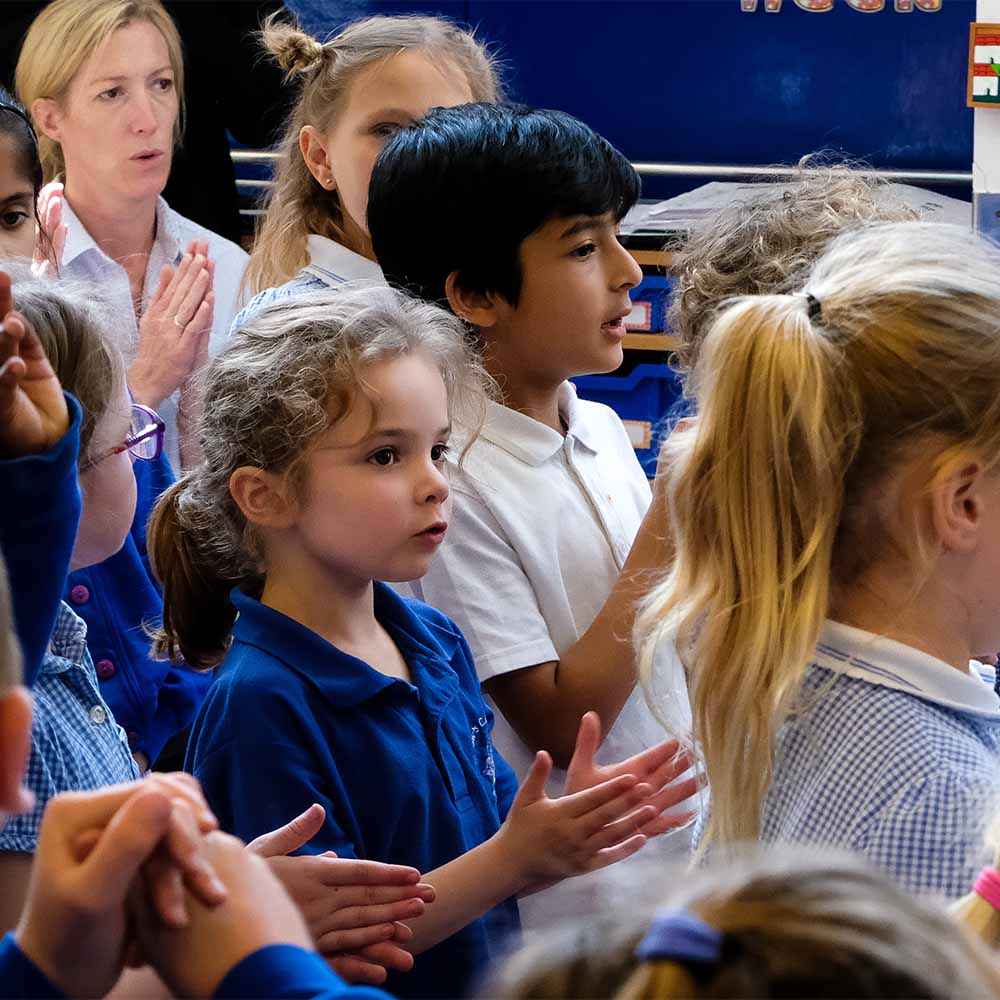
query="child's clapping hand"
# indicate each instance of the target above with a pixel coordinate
(659, 767)
(91, 851)
(352, 907)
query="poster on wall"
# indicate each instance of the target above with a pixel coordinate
(984, 66)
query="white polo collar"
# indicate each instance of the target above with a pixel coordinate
(79, 240)
(890, 664)
(532, 441)
(334, 264)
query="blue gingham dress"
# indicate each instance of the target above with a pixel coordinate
(76, 745)
(889, 763)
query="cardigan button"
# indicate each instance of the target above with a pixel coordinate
(105, 669)
(79, 594)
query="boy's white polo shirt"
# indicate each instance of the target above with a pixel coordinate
(540, 529)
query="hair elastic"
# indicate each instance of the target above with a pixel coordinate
(814, 306)
(987, 887)
(680, 936)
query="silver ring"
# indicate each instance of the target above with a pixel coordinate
(179, 324)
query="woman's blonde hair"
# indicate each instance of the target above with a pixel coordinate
(891, 352)
(282, 380)
(64, 36)
(791, 925)
(297, 204)
(768, 241)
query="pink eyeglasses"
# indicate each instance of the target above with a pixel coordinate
(144, 439)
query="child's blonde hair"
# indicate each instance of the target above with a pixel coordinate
(64, 36)
(298, 205)
(794, 925)
(767, 242)
(282, 380)
(891, 352)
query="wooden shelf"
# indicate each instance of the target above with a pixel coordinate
(650, 342)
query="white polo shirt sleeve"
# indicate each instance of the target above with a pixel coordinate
(479, 578)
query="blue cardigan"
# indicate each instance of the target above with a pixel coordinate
(39, 516)
(151, 699)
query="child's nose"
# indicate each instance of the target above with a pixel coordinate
(434, 488)
(627, 273)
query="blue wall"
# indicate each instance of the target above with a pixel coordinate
(701, 81)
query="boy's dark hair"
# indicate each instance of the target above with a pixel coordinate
(462, 190)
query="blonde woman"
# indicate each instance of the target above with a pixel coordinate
(103, 81)
(358, 89)
(835, 507)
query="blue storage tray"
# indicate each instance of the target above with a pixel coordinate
(643, 399)
(650, 299)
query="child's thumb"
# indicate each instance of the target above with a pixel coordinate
(291, 836)
(533, 786)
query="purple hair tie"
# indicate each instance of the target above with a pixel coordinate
(680, 936)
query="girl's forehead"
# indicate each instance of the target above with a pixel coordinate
(413, 81)
(14, 177)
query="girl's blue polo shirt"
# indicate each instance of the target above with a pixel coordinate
(406, 772)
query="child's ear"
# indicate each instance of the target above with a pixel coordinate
(313, 148)
(47, 117)
(959, 499)
(478, 308)
(15, 745)
(263, 497)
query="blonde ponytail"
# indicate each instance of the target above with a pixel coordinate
(760, 478)
(769, 487)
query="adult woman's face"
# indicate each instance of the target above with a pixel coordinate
(116, 122)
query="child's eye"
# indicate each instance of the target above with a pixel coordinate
(386, 130)
(384, 456)
(439, 452)
(13, 219)
(582, 253)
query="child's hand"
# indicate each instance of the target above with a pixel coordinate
(33, 413)
(552, 839)
(193, 960)
(352, 908)
(91, 848)
(52, 238)
(658, 767)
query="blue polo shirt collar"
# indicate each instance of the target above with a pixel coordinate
(344, 680)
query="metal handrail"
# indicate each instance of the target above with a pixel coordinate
(717, 170)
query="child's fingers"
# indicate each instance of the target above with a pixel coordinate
(12, 371)
(588, 739)
(347, 917)
(126, 844)
(388, 955)
(670, 769)
(591, 799)
(187, 788)
(533, 786)
(352, 938)
(345, 871)
(664, 824)
(357, 970)
(657, 759)
(622, 806)
(166, 889)
(185, 845)
(403, 933)
(620, 830)
(290, 837)
(612, 855)
(675, 793)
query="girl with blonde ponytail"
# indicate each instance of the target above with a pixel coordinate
(357, 89)
(836, 512)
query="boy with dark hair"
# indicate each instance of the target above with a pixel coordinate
(509, 216)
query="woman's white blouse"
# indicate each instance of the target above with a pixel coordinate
(84, 259)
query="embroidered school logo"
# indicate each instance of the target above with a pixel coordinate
(484, 749)
(864, 6)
